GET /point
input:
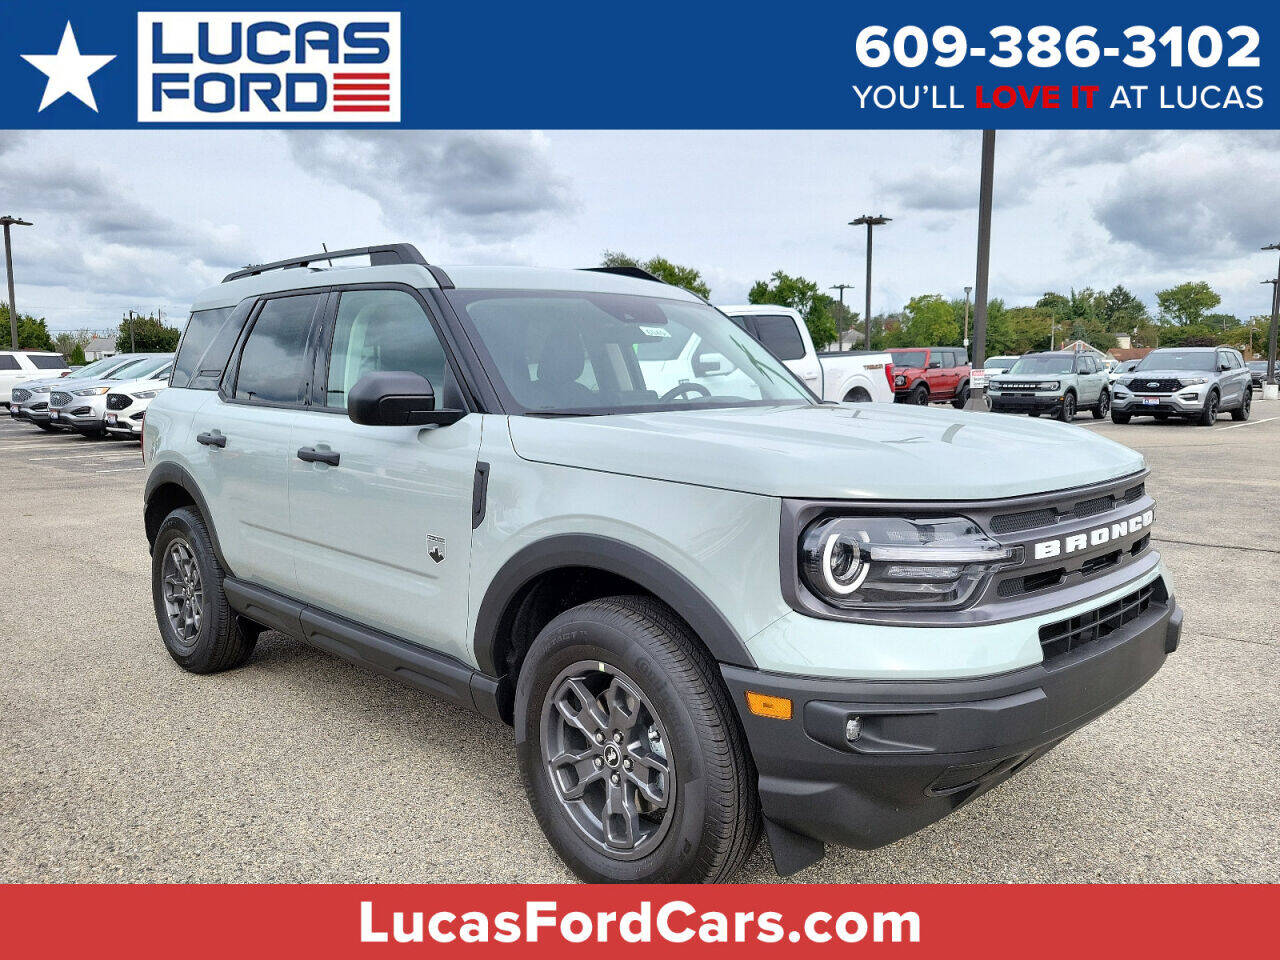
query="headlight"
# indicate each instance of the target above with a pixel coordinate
(1050, 385)
(1192, 381)
(900, 379)
(41, 389)
(145, 394)
(92, 392)
(878, 563)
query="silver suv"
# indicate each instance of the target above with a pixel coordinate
(1195, 383)
(707, 609)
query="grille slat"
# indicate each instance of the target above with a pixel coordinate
(1082, 509)
(1162, 385)
(1057, 639)
(118, 401)
(20, 395)
(59, 399)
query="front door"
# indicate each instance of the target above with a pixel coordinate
(383, 532)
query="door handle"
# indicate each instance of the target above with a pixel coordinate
(312, 455)
(214, 439)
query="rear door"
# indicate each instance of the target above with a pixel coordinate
(240, 440)
(383, 532)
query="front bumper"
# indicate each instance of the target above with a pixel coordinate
(1025, 403)
(927, 747)
(1184, 403)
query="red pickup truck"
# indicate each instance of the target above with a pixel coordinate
(931, 375)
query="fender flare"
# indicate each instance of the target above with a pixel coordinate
(611, 556)
(167, 472)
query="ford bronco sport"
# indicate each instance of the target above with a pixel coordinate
(705, 614)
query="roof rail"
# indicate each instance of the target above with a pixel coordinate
(380, 255)
(638, 272)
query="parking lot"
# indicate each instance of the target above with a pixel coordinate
(116, 765)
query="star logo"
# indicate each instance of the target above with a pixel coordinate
(68, 70)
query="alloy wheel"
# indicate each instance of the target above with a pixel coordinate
(605, 751)
(183, 592)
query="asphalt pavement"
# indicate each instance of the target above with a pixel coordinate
(117, 766)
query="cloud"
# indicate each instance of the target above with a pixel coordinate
(952, 189)
(478, 187)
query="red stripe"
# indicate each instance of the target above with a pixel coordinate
(353, 108)
(362, 76)
(362, 86)
(362, 96)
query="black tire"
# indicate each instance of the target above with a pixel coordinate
(1241, 413)
(1209, 414)
(1161, 417)
(712, 818)
(222, 639)
(919, 395)
(1103, 406)
(961, 398)
(1067, 409)
(1033, 414)
(1118, 417)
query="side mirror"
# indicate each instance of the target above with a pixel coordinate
(397, 398)
(1224, 367)
(935, 364)
(708, 364)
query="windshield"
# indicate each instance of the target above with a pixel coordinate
(1179, 360)
(568, 352)
(1043, 364)
(907, 358)
(149, 368)
(1257, 365)
(1000, 363)
(131, 370)
(93, 369)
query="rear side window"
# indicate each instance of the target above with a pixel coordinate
(273, 362)
(44, 361)
(202, 331)
(780, 337)
(9, 362)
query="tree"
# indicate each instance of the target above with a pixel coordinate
(149, 335)
(1187, 303)
(802, 296)
(1121, 311)
(77, 356)
(33, 333)
(688, 278)
(927, 321)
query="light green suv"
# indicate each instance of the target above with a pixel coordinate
(704, 613)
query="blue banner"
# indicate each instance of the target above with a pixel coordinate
(657, 65)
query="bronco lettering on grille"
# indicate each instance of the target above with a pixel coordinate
(1092, 538)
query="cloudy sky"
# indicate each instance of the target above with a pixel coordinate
(144, 220)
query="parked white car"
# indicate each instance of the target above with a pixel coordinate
(19, 365)
(84, 408)
(854, 376)
(127, 404)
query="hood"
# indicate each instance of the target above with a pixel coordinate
(39, 382)
(128, 386)
(878, 451)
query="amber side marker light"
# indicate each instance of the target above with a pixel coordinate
(762, 705)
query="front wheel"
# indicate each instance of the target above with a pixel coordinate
(1209, 414)
(1241, 413)
(1118, 417)
(629, 748)
(1103, 405)
(919, 396)
(1067, 410)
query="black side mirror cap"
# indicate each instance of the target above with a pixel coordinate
(397, 398)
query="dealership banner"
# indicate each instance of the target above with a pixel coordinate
(502, 65)
(481, 921)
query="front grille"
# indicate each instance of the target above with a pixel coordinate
(20, 396)
(1057, 639)
(1139, 385)
(59, 399)
(118, 401)
(1009, 385)
(1047, 516)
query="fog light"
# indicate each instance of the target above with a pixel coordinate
(853, 728)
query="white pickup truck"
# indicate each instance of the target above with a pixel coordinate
(847, 377)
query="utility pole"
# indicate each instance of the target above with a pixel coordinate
(977, 398)
(8, 265)
(869, 221)
(132, 348)
(967, 291)
(842, 287)
(1275, 318)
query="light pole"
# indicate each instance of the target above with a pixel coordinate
(842, 287)
(1275, 318)
(8, 265)
(977, 398)
(967, 291)
(869, 221)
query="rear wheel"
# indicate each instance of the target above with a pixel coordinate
(630, 750)
(1246, 405)
(1103, 405)
(1209, 414)
(857, 395)
(961, 398)
(199, 628)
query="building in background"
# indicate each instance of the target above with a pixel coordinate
(99, 347)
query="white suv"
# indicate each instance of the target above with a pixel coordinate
(19, 365)
(127, 404)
